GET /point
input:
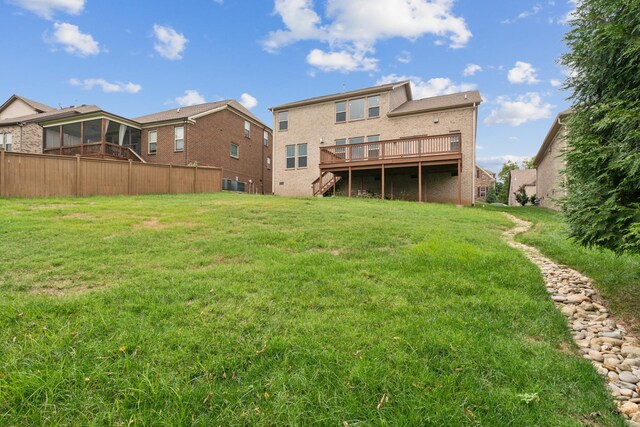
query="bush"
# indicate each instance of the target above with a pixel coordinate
(521, 196)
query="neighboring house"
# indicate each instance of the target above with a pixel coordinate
(518, 178)
(378, 142)
(550, 163)
(222, 134)
(485, 179)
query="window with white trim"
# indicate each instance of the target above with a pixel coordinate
(234, 151)
(6, 141)
(283, 120)
(265, 138)
(153, 142)
(341, 112)
(268, 163)
(179, 138)
(291, 156)
(247, 129)
(356, 109)
(302, 155)
(373, 103)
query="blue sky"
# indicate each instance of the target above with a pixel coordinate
(137, 57)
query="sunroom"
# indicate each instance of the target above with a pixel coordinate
(104, 135)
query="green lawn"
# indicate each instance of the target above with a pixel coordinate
(616, 277)
(238, 310)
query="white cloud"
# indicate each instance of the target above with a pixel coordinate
(527, 13)
(248, 101)
(523, 109)
(432, 87)
(404, 57)
(566, 19)
(355, 26)
(523, 72)
(341, 61)
(73, 40)
(556, 83)
(472, 69)
(494, 163)
(108, 87)
(191, 97)
(47, 8)
(170, 44)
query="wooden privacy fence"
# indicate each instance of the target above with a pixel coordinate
(44, 175)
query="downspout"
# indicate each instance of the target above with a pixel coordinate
(273, 154)
(21, 125)
(262, 180)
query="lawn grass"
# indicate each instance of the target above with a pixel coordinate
(238, 310)
(617, 278)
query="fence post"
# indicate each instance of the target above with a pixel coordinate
(170, 177)
(129, 180)
(3, 167)
(77, 176)
(195, 179)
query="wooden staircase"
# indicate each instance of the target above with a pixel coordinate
(326, 181)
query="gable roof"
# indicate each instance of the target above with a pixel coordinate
(51, 115)
(183, 113)
(490, 174)
(41, 108)
(335, 96)
(551, 135)
(521, 177)
(443, 102)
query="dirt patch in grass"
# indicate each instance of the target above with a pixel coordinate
(78, 216)
(67, 288)
(54, 206)
(154, 224)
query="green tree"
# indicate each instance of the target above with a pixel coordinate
(529, 163)
(491, 195)
(602, 207)
(504, 176)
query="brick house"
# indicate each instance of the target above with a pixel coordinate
(378, 142)
(549, 163)
(518, 178)
(222, 134)
(485, 179)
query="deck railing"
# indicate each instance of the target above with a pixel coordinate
(414, 147)
(96, 149)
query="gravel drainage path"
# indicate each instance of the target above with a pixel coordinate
(614, 353)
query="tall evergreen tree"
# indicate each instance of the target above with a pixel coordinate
(602, 207)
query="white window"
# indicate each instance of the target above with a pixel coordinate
(268, 163)
(302, 155)
(357, 152)
(483, 192)
(373, 138)
(341, 111)
(6, 141)
(291, 156)
(265, 138)
(234, 151)
(374, 106)
(179, 138)
(356, 109)
(153, 141)
(283, 120)
(247, 129)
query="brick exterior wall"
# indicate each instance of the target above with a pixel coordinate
(27, 141)
(207, 143)
(483, 180)
(312, 123)
(549, 183)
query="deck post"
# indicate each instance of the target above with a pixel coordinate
(382, 181)
(349, 181)
(419, 182)
(459, 184)
(334, 185)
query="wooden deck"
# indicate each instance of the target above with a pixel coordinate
(415, 151)
(96, 149)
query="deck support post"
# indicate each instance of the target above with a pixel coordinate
(349, 181)
(334, 185)
(419, 182)
(382, 182)
(459, 184)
